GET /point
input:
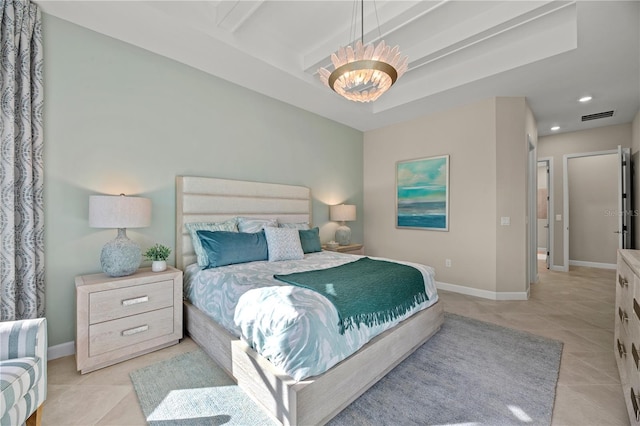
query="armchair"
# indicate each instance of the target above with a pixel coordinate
(23, 371)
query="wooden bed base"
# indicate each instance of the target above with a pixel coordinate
(319, 398)
(214, 339)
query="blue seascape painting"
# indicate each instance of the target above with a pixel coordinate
(423, 193)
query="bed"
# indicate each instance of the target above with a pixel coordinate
(313, 400)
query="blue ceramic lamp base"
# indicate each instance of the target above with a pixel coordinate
(343, 235)
(121, 256)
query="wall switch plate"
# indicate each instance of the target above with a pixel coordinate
(505, 221)
(447, 263)
(558, 217)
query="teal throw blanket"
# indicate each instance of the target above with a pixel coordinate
(366, 291)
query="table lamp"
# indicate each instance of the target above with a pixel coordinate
(343, 213)
(120, 256)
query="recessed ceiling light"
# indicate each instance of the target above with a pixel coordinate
(555, 128)
(585, 98)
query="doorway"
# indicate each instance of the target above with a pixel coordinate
(544, 211)
(596, 207)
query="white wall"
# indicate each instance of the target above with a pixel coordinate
(121, 119)
(486, 142)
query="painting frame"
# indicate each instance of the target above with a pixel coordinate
(422, 193)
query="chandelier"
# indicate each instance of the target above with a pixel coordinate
(362, 73)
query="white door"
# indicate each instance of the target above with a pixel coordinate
(600, 207)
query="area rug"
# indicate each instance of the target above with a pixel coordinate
(471, 372)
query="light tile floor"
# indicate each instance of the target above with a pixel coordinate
(576, 308)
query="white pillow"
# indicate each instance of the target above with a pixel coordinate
(250, 224)
(283, 244)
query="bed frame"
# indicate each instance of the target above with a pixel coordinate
(317, 399)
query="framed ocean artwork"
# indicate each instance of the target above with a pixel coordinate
(422, 193)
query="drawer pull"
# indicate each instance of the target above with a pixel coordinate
(622, 351)
(636, 357)
(636, 308)
(135, 330)
(634, 402)
(623, 315)
(135, 301)
(623, 281)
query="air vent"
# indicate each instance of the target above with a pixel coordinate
(597, 116)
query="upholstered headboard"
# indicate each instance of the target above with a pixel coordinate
(202, 199)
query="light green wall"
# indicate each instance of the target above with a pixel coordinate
(122, 119)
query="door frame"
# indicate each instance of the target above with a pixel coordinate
(565, 209)
(532, 269)
(550, 211)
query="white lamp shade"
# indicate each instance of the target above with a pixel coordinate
(119, 211)
(342, 213)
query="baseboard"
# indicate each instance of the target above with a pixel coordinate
(63, 349)
(485, 294)
(558, 268)
(592, 264)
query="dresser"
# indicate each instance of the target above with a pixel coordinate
(124, 317)
(627, 329)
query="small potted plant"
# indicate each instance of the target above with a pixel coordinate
(158, 254)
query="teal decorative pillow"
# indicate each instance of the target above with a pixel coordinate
(228, 248)
(250, 224)
(310, 240)
(297, 225)
(228, 226)
(283, 244)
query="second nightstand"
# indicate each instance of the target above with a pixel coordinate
(121, 318)
(350, 249)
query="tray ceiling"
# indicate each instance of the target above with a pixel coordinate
(552, 52)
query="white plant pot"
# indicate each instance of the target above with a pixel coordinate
(159, 265)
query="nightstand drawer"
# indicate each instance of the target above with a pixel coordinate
(111, 335)
(122, 302)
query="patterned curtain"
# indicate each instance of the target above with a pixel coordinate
(21, 170)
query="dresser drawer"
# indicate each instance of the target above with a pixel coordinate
(622, 349)
(122, 302)
(632, 396)
(111, 335)
(625, 280)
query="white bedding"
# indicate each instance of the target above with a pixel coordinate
(294, 328)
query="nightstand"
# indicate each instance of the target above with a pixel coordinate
(118, 318)
(350, 249)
